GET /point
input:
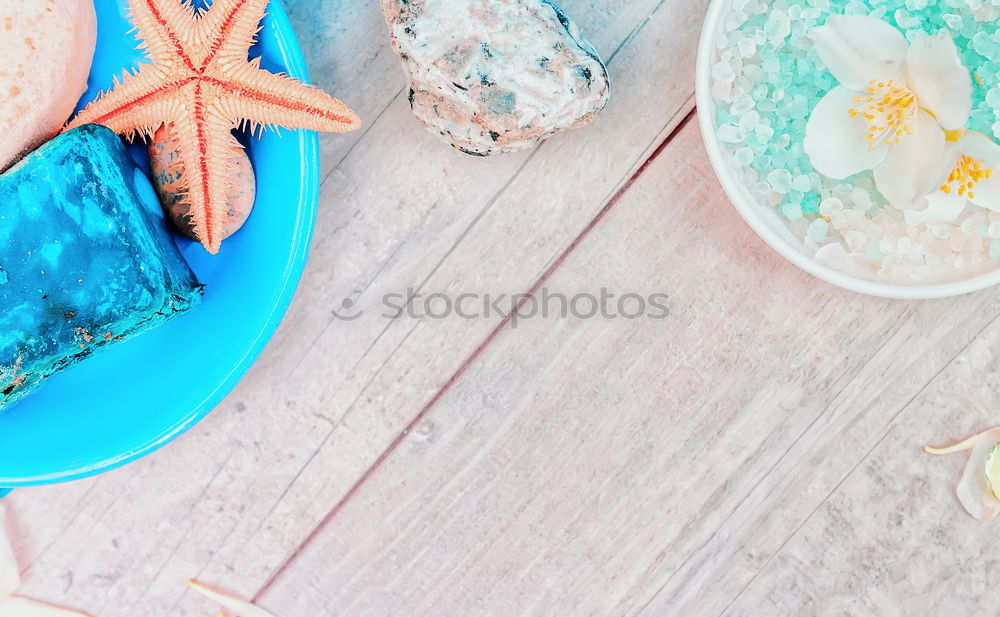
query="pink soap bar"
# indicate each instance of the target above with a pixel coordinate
(48, 46)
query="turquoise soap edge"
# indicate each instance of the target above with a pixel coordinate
(117, 176)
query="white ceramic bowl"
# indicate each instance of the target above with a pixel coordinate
(766, 221)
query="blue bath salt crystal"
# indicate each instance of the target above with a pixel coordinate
(994, 249)
(85, 261)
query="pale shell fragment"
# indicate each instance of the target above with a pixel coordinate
(974, 490)
(25, 607)
(235, 606)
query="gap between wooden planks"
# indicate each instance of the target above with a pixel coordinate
(607, 468)
(120, 546)
(684, 121)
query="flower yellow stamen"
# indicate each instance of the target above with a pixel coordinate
(967, 173)
(890, 110)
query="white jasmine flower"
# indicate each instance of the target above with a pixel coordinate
(973, 176)
(894, 110)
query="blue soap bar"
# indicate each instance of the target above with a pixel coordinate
(85, 262)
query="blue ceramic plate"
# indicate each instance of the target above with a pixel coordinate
(131, 399)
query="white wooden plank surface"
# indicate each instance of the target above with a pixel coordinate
(895, 540)
(613, 468)
(690, 466)
(121, 543)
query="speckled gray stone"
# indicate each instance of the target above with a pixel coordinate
(495, 76)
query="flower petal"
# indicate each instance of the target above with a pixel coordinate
(986, 193)
(916, 167)
(941, 208)
(24, 607)
(973, 489)
(10, 577)
(942, 84)
(836, 143)
(979, 146)
(858, 49)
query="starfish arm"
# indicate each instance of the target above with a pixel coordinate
(205, 143)
(132, 106)
(262, 98)
(166, 29)
(230, 28)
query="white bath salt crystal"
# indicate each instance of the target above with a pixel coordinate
(780, 180)
(747, 47)
(855, 240)
(904, 244)
(834, 256)
(766, 105)
(749, 120)
(969, 225)
(731, 134)
(792, 211)
(887, 245)
(783, 141)
(764, 133)
(873, 254)
(741, 85)
(741, 105)
(959, 262)
(817, 230)
(761, 188)
(723, 71)
(810, 245)
(904, 20)
(862, 200)
(830, 205)
(995, 249)
(744, 156)
(899, 271)
(722, 90)
(753, 73)
(778, 26)
(952, 20)
(802, 183)
(733, 22)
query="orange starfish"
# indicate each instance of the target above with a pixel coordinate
(201, 81)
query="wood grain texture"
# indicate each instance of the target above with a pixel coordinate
(326, 399)
(643, 467)
(755, 453)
